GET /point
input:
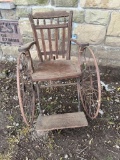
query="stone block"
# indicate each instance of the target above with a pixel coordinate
(31, 2)
(74, 50)
(110, 4)
(113, 41)
(27, 40)
(23, 12)
(25, 27)
(97, 16)
(107, 56)
(7, 5)
(20, 2)
(114, 25)
(9, 50)
(78, 16)
(8, 14)
(65, 3)
(88, 33)
(41, 9)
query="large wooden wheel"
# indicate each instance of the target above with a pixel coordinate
(26, 92)
(90, 90)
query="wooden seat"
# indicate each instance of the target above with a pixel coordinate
(59, 69)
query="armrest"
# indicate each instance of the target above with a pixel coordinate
(82, 45)
(26, 47)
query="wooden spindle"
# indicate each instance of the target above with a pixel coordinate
(43, 43)
(37, 21)
(63, 43)
(50, 43)
(56, 38)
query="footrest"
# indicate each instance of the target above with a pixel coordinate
(60, 121)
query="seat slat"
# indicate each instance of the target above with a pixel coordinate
(60, 121)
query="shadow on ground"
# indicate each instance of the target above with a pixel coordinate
(99, 141)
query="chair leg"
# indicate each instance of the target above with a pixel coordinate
(38, 94)
(78, 91)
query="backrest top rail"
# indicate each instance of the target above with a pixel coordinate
(52, 14)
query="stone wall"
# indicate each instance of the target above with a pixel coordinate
(95, 21)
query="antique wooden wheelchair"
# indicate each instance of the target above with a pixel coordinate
(52, 33)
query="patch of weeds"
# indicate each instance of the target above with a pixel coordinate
(24, 131)
(10, 118)
(13, 140)
(11, 144)
(51, 143)
(7, 156)
(108, 118)
(59, 131)
(39, 159)
(49, 107)
(118, 141)
(109, 158)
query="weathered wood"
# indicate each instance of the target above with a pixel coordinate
(43, 43)
(54, 70)
(51, 26)
(69, 34)
(58, 85)
(50, 43)
(52, 14)
(56, 24)
(30, 62)
(60, 121)
(64, 21)
(26, 47)
(35, 37)
(37, 21)
(57, 39)
(54, 52)
(44, 21)
(63, 43)
(64, 36)
(56, 42)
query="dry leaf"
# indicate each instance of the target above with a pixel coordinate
(90, 142)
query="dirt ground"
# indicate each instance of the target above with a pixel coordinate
(99, 141)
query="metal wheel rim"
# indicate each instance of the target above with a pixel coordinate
(20, 95)
(98, 85)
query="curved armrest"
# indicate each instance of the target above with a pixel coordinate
(26, 47)
(82, 45)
